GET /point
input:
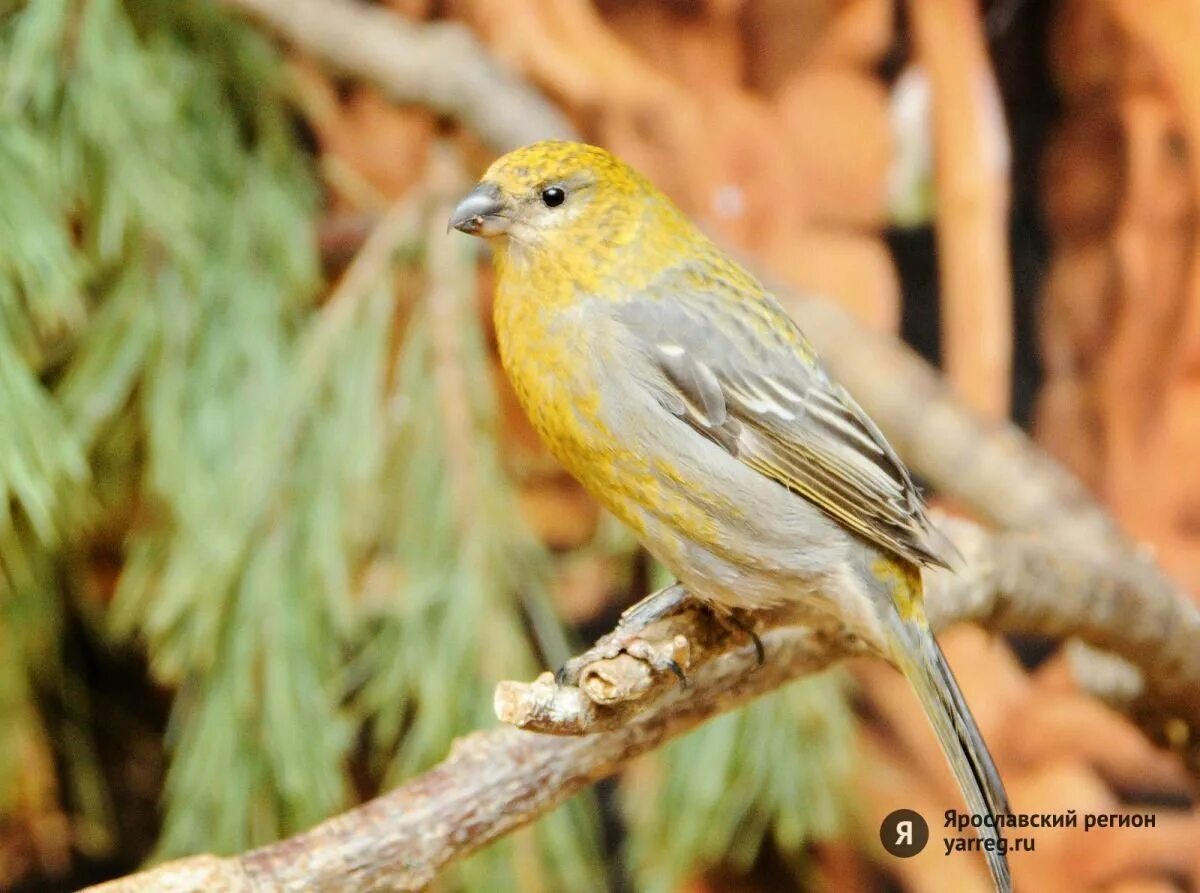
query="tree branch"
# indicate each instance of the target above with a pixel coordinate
(493, 782)
(1009, 583)
(440, 65)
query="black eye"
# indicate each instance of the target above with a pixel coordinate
(553, 197)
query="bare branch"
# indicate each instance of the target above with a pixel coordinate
(1111, 601)
(1009, 583)
(451, 279)
(439, 65)
(493, 782)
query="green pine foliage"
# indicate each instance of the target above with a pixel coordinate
(296, 564)
(167, 369)
(159, 270)
(778, 770)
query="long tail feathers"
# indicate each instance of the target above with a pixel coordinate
(917, 654)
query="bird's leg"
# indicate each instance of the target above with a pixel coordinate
(653, 608)
(626, 637)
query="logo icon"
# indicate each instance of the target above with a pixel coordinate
(904, 833)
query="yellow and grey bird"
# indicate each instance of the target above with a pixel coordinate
(682, 396)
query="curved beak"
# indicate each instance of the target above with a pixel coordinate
(481, 212)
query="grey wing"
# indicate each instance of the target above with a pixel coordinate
(741, 374)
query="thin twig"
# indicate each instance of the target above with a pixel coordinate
(451, 278)
(439, 65)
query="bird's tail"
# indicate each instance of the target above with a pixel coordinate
(918, 656)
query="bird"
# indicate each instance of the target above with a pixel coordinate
(678, 391)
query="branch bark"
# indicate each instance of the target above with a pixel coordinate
(494, 782)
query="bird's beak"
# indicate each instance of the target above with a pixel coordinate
(481, 212)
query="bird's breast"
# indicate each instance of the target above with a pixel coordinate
(581, 382)
(569, 368)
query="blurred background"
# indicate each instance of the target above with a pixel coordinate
(272, 526)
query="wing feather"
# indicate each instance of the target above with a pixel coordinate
(750, 382)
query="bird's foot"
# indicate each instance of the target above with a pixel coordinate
(627, 637)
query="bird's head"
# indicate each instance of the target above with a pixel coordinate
(556, 196)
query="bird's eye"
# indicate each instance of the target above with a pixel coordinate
(553, 197)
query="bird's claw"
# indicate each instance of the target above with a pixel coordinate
(627, 637)
(569, 673)
(662, 656)
(760, 651)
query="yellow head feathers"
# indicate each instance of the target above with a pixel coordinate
(554, 197)
(540, 165)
